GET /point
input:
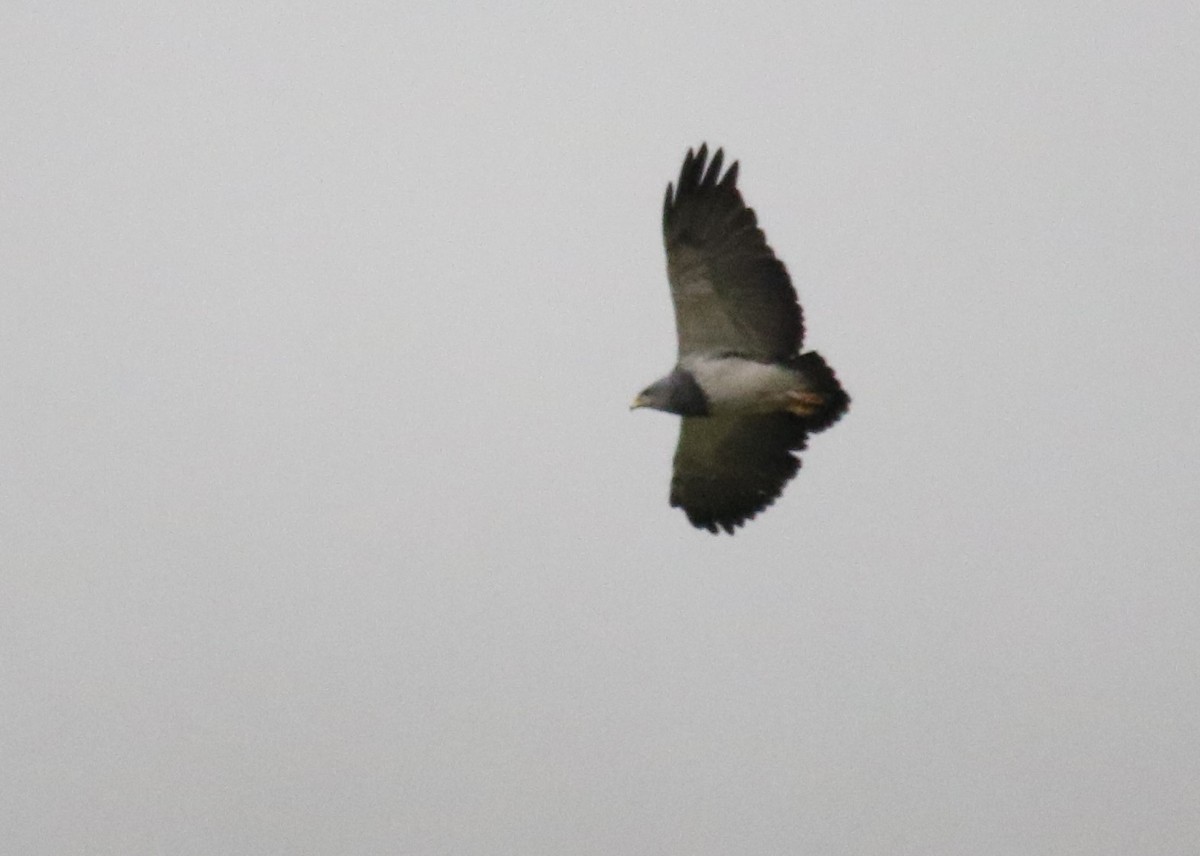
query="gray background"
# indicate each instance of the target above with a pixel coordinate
(326, 528)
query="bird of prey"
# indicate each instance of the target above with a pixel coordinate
(748, 397)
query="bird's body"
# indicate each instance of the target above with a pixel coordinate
(734, 384)
(748, 397)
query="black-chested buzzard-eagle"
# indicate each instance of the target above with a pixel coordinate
(748, 397)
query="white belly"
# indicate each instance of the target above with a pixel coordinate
(735, 385)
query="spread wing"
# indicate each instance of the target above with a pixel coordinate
(731, 294)
(729, 468)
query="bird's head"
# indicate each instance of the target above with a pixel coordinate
(678, 393)
(652, 397)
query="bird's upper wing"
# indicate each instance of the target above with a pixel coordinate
(731, 294)
(729, 468)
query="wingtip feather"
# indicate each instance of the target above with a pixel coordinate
(714, 169)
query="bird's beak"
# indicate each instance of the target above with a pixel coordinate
(640, 401)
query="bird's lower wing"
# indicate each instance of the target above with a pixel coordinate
(729, 468)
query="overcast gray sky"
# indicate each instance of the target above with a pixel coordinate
(326, 528)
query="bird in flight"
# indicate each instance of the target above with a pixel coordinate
(748, 397)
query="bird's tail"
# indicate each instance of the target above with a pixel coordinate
(820, 383)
